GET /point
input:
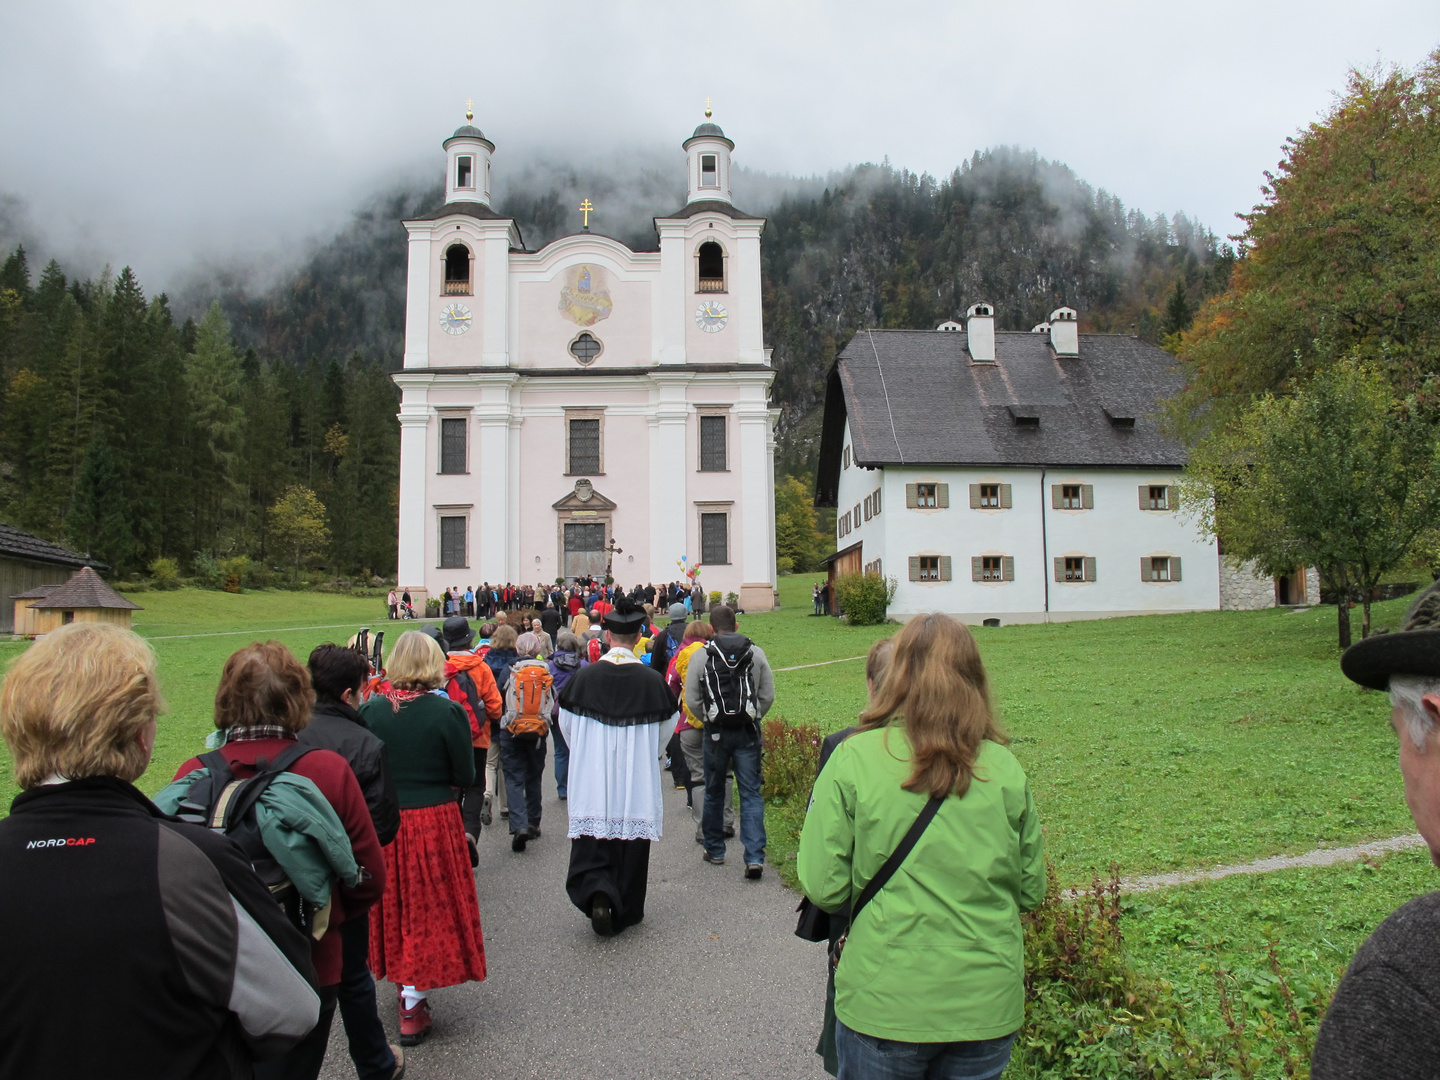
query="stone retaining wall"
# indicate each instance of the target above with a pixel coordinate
(1244, 589)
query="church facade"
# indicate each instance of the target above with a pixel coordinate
(586, 407)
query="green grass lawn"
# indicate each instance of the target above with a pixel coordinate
(1158, 742)
(193, 631)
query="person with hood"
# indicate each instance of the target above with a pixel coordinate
(666, 644)
(565, 661)
(471, 685)
(500, 657)
(529, 701)
(612, 713)
(1381, 1024)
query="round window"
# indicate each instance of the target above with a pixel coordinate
(585, 348)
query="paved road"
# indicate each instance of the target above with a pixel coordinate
(713, 984)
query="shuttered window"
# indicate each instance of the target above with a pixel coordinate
(714, 539)
(992, 568)
(1156, 497)
(452, 543)
(712, 444)
(1160, 568)
(452, 445)
(847, 457)
(926, 567)
(1075, 568)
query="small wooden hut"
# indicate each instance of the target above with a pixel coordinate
(84, 598)
(25, 615)
(28, 563)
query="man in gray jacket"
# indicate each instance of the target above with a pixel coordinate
(730, 686)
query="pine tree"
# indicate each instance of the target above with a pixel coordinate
(1179, 313)
(212, 398)
(97, 521)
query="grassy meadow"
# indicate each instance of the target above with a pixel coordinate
(1153, 744)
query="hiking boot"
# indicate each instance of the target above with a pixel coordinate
(485, 817)
(414, 1023)
(714, 860)
(474, 851)
(753, 871)
(399, 1072)
(505, 813)
(729, 833)
(534, 832)
(519, 839)
(602, 919)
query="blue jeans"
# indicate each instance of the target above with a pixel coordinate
(740, 751)
(863, 1057)
(562, 760)
(523, 762)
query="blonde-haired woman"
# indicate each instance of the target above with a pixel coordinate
(929, 736)
(426, 928)
(99, 975)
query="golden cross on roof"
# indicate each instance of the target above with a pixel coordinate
(707, 109)
(585, 207)
(469, 110)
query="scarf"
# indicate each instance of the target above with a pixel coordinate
(401, 697)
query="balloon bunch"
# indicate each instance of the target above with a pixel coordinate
(689, 572)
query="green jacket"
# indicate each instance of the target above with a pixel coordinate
(428, 746)
(938, 954)
(299, 827)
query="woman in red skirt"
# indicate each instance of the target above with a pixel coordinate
(425, 931)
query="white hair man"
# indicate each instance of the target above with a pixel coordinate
(1384, 1023)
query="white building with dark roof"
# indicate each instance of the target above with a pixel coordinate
(1015, 476)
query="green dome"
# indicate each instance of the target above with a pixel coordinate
(469, 131)
(708, 129)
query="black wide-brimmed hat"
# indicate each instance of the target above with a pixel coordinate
(458, 634)
(625, 618)
(1414, 649)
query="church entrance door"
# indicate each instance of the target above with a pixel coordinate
(584, 549)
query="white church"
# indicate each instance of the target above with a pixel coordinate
(586, 406)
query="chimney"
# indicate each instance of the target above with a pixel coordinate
(1065, 332)
(980, 333)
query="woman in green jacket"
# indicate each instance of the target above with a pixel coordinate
(931, 980)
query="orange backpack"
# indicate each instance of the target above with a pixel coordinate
(531, 683)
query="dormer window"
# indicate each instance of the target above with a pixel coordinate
(465, 171)
(710, 267)
(457, 270)
(709, 171)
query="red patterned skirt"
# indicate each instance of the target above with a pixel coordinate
(425, 931)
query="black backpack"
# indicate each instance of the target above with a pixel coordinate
(727, 689)
(221, 802)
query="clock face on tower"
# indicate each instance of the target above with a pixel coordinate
(455, 319)
(711, 316)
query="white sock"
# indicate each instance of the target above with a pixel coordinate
(412, 996)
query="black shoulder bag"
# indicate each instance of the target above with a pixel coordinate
(887, 871)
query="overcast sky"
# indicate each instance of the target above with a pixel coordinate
(171, 133)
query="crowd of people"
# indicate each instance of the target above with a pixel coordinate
(486, 601)
(329, 836)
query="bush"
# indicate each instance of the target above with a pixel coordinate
(165, 573)
(715, 597)
(864, 597)
(235, 573)
(785, 564)
(432, 606)
(207, 571)
(792, 754)
(732, 599)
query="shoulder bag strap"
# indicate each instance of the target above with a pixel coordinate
(887, 871)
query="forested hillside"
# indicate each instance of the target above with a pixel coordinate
(135, 435)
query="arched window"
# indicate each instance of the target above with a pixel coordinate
(710, 266)
(457, 270)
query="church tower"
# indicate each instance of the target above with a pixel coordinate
(467, 164)
(707, 154)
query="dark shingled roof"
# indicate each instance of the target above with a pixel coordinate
(21, 545)
(710, 206)
(915, 397)
(85, 590)
(35, 593)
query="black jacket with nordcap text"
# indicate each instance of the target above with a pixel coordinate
(132, 944)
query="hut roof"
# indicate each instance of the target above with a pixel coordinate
(38, 591)
(21, 545)
(87, 589)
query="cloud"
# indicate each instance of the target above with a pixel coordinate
(169, 135)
